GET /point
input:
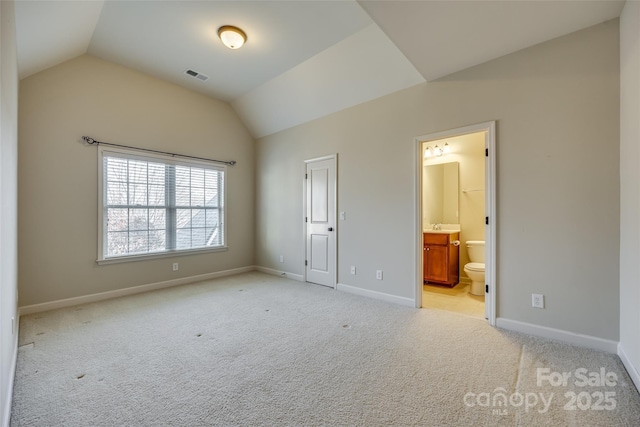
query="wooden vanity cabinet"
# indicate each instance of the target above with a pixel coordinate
(441, 258)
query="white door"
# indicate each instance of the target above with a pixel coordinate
(320, 220)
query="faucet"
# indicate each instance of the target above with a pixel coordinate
(437, 226)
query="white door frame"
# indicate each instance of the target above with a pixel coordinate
(304, 214)
(490, 209)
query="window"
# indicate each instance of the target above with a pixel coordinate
(153, 205)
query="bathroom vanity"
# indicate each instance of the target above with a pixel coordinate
(441, 255)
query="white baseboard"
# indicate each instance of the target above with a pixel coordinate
(377, 295)
(559, 334)
(280, 273)
(629, 366)
(6, 417)
(52, 305)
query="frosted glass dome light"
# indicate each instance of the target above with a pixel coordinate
(232, 37)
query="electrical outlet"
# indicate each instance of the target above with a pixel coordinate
(281, 258)
(537, 300)
(379, 274)
(176, 267)
(343, 216)
(353, 270)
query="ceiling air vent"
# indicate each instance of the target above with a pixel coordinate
(197, 75)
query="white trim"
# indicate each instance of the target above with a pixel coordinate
(558, 334)
(319, 159)
(52, 305)
(279, 273)
(492, 212)
(156, 255)
(101, 220)
(490, 209)
(12, 375)
(631, 369)
(304, 223)
(408, 302)
(417, 223)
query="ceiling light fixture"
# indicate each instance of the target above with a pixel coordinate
(232, 37)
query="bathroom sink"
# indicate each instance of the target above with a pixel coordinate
(442, 229)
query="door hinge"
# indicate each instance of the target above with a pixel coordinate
(486, 152)
(486, 220)
(306, 262)
(306, 176)
(486, 289)
(306, 219)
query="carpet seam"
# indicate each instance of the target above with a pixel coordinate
(518, 377)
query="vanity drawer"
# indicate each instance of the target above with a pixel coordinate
(436, 239)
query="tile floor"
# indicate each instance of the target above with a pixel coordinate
(457, 299)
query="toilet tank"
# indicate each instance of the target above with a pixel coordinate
(475, 249)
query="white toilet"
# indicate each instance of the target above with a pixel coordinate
(475, 269)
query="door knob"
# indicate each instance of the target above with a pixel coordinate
(330, 228)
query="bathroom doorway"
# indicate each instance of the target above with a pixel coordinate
(455, 220)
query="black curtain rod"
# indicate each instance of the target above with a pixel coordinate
(92, 141)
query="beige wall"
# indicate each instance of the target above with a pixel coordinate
(8, 204)
(468, 151)
(58, 174)
(630, 186)
(557, 112)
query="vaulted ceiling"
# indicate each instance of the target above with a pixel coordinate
(303, 59)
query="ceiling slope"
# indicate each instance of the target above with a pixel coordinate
(51, 32)
(442, 37)
(304, 58)
(362, 67)
(164, 38)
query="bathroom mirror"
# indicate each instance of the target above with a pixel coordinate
(440, 198)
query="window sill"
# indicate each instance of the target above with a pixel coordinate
(168, 254)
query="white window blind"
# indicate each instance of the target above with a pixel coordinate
(154, 205)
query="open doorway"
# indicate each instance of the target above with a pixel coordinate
(455, 221)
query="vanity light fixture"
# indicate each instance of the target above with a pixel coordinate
(437, 151)
(232, 37)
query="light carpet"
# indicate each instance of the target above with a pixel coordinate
(259, 350)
